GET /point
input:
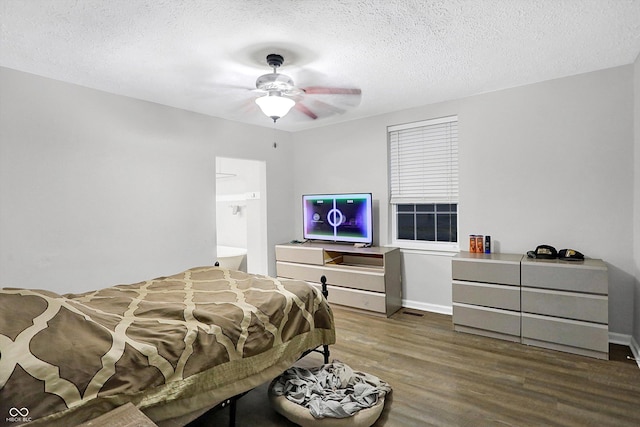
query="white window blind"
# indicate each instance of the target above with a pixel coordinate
(423, 161)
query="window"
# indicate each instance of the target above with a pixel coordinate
(423, 173)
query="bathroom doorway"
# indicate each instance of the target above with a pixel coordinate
(241, 214)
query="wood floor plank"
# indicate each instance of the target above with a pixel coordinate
(445, 378)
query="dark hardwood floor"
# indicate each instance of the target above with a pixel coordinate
(444, 378)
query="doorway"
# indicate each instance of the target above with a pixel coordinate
(241, 214)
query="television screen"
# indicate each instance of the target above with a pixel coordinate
(338, 217)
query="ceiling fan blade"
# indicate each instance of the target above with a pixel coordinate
(304, 109)
(326, 107)
(322, 90)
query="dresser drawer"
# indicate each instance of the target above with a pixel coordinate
(490, 319)
(507, 273)
(572, 333)
(589, 276)
(570, 305)
(368, 279)
(487, 295)
(356, 298)
(301, 254)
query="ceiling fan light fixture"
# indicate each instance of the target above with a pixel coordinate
(274, 105)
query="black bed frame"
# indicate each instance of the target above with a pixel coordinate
(231, 402)
(325, 348)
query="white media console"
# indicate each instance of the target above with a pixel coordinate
(363, 278)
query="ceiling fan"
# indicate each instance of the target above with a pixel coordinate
(281, 94)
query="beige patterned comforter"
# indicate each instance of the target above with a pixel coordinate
(172, 345)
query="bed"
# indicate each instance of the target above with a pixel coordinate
(173, 346)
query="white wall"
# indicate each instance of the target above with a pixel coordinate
(636, 200)
(550, 163)
(553, 163)
(98, 189)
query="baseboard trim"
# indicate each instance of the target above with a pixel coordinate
(621, 339)
(417, 305)
(629, 341)
(635, 349)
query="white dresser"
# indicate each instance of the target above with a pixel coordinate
(555, 304)
(486, 294)
(362, 278)
(565, 305)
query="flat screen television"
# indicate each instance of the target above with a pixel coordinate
(338, 217)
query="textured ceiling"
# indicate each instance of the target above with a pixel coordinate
(205, 55)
